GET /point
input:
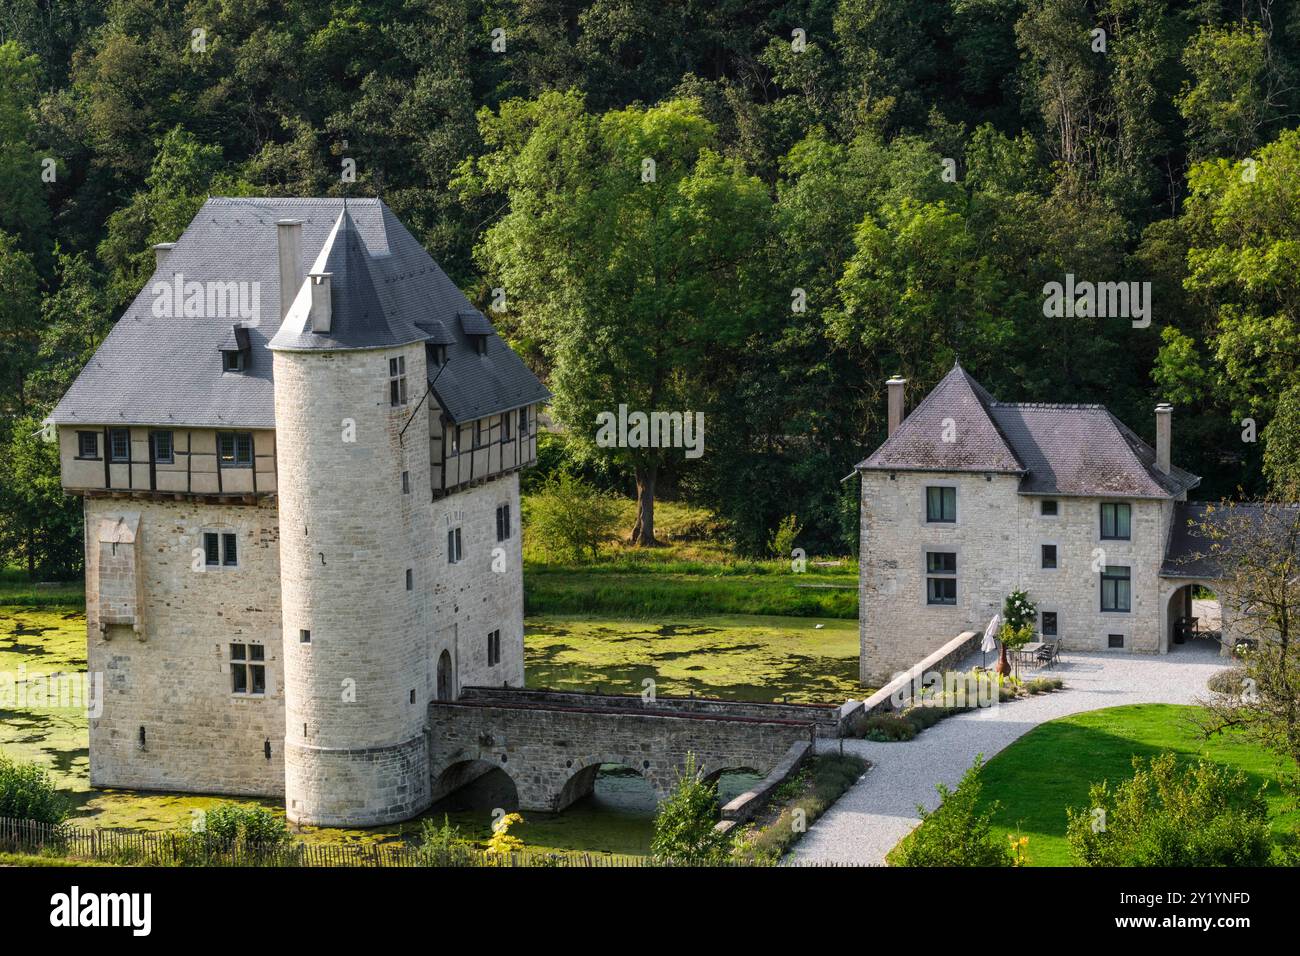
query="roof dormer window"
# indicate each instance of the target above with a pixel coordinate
(236, 350)
(477, 329)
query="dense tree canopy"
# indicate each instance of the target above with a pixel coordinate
(842, 190)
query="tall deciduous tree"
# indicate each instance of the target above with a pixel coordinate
(628, 250)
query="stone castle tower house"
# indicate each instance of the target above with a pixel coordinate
(355, 572)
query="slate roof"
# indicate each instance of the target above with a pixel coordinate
(1191, 553)
(154, 370)
(1064, 450)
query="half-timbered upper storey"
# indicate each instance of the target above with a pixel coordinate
(179, 399)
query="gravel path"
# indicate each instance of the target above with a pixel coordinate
(880, 809)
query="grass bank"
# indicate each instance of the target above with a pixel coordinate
(1052, 767)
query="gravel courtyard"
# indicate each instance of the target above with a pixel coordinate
(880, 809)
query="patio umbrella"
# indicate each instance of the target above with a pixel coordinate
(990, 642)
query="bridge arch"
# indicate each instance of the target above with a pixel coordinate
(582, 773)
(465, 770)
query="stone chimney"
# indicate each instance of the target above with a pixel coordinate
(288, 234)
(896, 386)
(322, 310)
(161, 251)
(1164, 435)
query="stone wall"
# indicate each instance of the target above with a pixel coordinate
(552, 755)
(997, 538)
(356, 637)
(173, 680)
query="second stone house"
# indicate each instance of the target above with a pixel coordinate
(970, 498)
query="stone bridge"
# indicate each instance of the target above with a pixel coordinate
(552, 743)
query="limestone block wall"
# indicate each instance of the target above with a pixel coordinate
(355, 634)
(175, 683)
(997, 538)
(552, 755)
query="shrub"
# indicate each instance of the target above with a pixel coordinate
(1203, 815)
(443, 845)
(685, 833)
(956, 833)
(888, 728)
(228, 827)
(818, 784)
(28, 793)
(1043, 685)
(781, 544)
(1227, 682)
(570, 519)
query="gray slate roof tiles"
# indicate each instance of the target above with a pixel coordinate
(1057, 449)
(1192, 553)
(154, 370)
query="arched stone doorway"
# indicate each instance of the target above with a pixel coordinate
(1193, 619)
(446, 678)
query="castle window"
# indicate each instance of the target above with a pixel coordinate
(1049, 555)
(1115, 640)
(410, 580)
(503, 522)
(119, 444)
(941, 504)
(397, 381)
(232, 361)
(1048, 508)
(235, 449)
(1116, 521)
(453, 546)
(494, 648)
(247, 669)
(220, 549)
(406, 482)
(304, 636)
(1116, 589)
(1049, 624)
(940, 577)
(88, 445)
(161, 446)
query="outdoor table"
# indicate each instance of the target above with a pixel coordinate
(1028, 653)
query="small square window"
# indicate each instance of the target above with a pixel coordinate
(1048, 508)
(1114, 640)
(1049, 555)
(119, 444)
(235, 449)
(161, 445)
(88, 445)
(941, 505)
(304, 636)
(232, 361)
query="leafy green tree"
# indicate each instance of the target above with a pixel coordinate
(40, 526)
(19, 331)
(23, 211)
(569, 519)
(1164, 815)
(685, 824)
(628, 250)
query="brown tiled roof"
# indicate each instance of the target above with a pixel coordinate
(1079, 450)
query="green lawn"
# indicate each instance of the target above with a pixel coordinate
(1052, 766)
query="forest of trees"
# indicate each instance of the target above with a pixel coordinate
(839, 191)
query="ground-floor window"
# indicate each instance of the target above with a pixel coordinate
(247, 669)
(1116, 589)
(940, 577)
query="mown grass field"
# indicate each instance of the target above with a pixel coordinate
(1052, 767)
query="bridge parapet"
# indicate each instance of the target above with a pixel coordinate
(551, 744)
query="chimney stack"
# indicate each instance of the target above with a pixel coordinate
(1164, 435)
(321, 308)
(288, 234)
(161, 251)
(896, 386)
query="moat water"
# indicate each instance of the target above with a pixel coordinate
(617, 817)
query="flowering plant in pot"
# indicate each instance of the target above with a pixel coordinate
(1019, 614)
